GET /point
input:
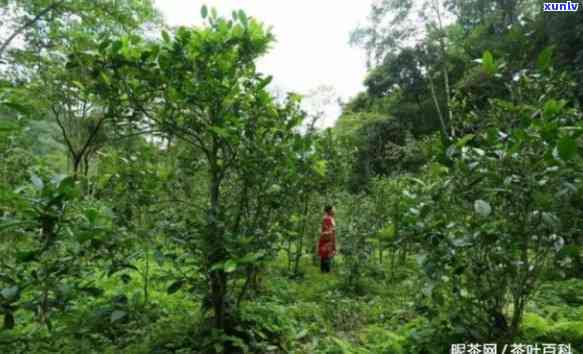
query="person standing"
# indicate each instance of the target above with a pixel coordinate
(327, 243)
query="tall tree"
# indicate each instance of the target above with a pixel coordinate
(201, 86)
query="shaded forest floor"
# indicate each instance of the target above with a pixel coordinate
(388, 313)
(313, 313)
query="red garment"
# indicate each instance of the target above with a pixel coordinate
(327, 244)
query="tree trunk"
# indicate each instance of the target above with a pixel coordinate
(444, 67)
(300, 248)
(290, 257)
(444, 134)
(216, 246)
(77, 160)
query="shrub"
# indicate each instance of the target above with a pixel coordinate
(380, 340)
(568, 332)
(534, 328)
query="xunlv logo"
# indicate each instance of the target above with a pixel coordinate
(561, 6)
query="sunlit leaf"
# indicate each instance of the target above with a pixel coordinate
(105, 78)
(57, 179)
(551, 220)
(230, 266)
(10, 294)
(37, 182)
(320, 167)
(488, 63)
(217, 266)
(118, 315)
(463, 141)
(553, 107)
(482, 208)
(545, 58)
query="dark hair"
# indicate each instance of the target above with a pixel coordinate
(328, 208)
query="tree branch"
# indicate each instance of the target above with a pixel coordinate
(29, 24)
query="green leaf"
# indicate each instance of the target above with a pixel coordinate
(103, 45)
(7, 125)
(230, 266)
(91, 215)
(10, 294)
(67, 187)
(37, 182)
(387, 233)
(78, 84)
(482, 208)
(174, 287)
(118, 45)
(12, 224)
(551, 220)
(17, 107)
(105, 78)
(275, 189)
(420, 259)
(251, 258)
(57, 179)
(243, 18)
(553, 107)
(67, 182)
(463, 141)
(265, 82)
(550, 131)
(567, 148)
(118, 315)
(545, 58)
(488, 63)
(204, 11)
(64, 291)
(217, 266)
(428, 289)
(320, 167)
(221, 132)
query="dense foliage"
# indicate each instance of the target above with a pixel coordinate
(157, 197)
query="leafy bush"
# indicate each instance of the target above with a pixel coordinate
(335, 345)
(424, 336)
(569, 332)
(533, 328)
(571, 292)
(380, 340)
(265, 326)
